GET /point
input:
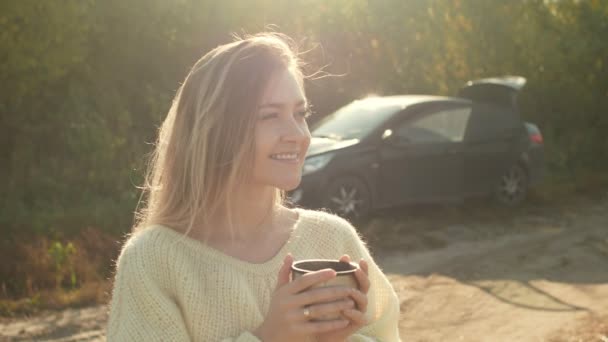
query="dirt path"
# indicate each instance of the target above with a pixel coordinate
(532, 278)
(539, 276)
(86, 324)
(527, 287)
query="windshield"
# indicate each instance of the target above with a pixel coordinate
(355, 120)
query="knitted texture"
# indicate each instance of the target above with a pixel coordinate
(170, 287)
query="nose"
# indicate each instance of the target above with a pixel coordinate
(295, 131)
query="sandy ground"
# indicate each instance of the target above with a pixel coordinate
(533, 276)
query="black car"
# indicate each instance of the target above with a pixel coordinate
(386, 151)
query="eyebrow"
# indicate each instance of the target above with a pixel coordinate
(282, 105)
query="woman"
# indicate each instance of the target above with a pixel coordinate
(210, 256)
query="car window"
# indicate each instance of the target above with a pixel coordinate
(447, 125)
(355, 120)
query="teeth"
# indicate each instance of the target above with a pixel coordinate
(284, 156)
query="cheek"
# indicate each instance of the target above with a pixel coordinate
(264, 140)
(307, 135)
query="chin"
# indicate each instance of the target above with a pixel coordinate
(288, 188)
(291, 185)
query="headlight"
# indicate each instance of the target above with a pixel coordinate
(316, 163)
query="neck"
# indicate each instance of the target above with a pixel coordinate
(252, 211)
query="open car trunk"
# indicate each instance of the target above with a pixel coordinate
(500, 91)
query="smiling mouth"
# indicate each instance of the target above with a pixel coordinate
(285, 156)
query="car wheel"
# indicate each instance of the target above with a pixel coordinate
(513, 186)
(348, 197)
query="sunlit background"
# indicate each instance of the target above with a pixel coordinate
(85, 84)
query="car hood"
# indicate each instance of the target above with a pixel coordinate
(322, 145)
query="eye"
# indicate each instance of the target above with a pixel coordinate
(269, 116)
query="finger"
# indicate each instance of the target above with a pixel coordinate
(345, 258)
(322, 295)
(285, 271)
(363, 280)
(356, 317)
(364, 266)
(326, 309)
(309, 279)
(320, 327)
(360, 299)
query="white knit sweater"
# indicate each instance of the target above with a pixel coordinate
(169, 287)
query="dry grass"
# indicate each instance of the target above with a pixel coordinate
(90, 293)
(44, 280)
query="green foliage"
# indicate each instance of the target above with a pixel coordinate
(62, 257)
(86, 83)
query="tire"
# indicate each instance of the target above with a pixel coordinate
(348, 197)
(513, 186)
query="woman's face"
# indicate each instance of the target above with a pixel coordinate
(281, 133)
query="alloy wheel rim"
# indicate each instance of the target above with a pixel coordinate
(347, 201)
(512, 185)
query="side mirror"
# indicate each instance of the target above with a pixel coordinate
(389, 138)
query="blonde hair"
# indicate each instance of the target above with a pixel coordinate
(206, 144)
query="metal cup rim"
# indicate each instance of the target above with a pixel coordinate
(300, 270)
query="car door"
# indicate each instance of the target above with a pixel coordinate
(492, 144)
(421, 159)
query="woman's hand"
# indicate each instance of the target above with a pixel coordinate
(356, 316)
(293, 306)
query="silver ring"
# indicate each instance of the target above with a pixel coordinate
(307, 313)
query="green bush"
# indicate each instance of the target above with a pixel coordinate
(86, 83)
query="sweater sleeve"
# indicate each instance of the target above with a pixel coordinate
(383, 303)
(140, 310)
(244, 337)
